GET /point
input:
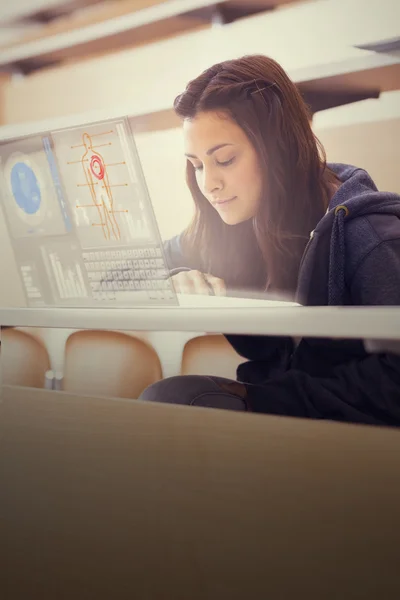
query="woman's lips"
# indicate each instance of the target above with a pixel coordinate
(221, 203)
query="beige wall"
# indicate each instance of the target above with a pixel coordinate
(4, 82)
(149, 77)
(365, 134)
(163, 163)
(372, 146)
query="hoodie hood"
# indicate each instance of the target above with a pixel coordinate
(359, 193)
(356, 197)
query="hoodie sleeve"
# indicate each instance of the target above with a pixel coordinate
(376, 281)
(175, 255)
(365, 390)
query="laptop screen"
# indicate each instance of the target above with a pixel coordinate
(80, 219)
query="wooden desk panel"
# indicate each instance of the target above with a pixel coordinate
(121, 499)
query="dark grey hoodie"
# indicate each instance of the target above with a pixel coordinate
(352, 258)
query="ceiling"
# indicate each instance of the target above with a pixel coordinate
(22, 19)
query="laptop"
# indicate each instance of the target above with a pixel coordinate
(81, 222)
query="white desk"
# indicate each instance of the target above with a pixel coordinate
(169, 329)
(380, 323)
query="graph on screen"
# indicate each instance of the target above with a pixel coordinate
(32, 200)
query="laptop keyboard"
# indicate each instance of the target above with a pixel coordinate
(136, 275)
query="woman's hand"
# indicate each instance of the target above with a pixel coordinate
(195, 282)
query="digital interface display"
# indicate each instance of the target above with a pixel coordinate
(80, 218)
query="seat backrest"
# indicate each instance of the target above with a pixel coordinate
(109, 363)
(24, 359)
(210, 355)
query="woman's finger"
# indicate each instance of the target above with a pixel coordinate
(200, 283)
(218, 285)
(190, 282)
(183, 284)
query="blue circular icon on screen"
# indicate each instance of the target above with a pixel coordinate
(25, 188)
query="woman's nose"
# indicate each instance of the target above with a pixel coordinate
(211, 182)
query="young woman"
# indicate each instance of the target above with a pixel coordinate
(272, 216)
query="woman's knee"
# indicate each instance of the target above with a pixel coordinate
(197, 390)
(173, 390)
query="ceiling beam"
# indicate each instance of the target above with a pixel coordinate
(118, 24)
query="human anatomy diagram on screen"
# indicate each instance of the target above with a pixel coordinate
(98, 171)
(96, 174)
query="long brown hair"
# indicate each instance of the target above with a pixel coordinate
(265, 252)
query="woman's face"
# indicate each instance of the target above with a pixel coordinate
(227, 167)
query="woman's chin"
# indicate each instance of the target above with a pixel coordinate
(233, 219)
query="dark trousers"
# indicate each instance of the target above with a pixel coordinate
(196, 390)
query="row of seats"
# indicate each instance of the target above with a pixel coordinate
(108, 363)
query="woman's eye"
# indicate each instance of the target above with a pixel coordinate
(226, 163)
(197, 167)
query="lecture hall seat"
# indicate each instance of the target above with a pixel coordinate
(210, 355)
(109, 363)
(24, 359)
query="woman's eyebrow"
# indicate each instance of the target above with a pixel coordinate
(211, 150)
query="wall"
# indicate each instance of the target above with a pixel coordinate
(4, 83)
(161, 155)
(372, 146)
(149, 77)
(365, 134)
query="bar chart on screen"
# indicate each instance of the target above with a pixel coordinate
(61, 260)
